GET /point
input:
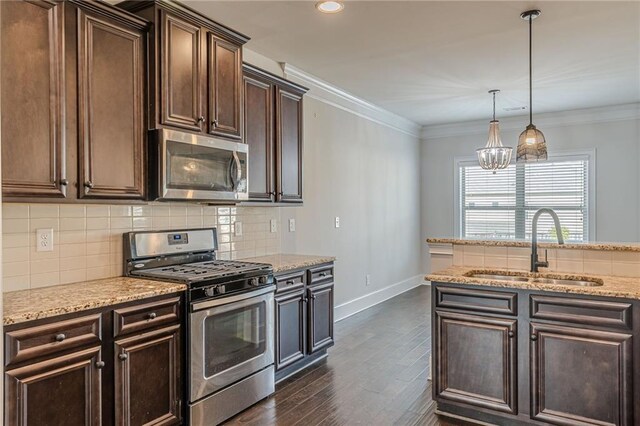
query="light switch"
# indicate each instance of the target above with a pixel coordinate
(274, 225)
(44, 239)
(238, 229)
(337, 222)
(292, 225)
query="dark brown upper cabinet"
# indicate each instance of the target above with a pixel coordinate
(111, 113)
(33, 137)
(273, 130)
(196, 69)
(73, 101)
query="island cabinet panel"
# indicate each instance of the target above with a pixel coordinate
(180, 69)
(476, 360)
(581, 376)
(33, 136)
(225, 87)
(64, 390)
(111, 58)
(147, 378)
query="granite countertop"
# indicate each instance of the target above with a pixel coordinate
(289, 262)
(27, 305)
(624, 287)
(635, 247)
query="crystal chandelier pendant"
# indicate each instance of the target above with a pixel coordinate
(494, 156)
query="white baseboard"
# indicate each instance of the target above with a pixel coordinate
(354, 306)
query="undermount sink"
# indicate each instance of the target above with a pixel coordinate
(542, 280)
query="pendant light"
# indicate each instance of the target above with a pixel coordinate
(531, 144)
(494, 156)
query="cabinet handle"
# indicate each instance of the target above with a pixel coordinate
(323, 274)
(214, 123)
(152, 316)
(534, 337)
(88, 184)
(305, 300)
(200, 120)
(123, 356)
(511, 334)
(60, 337)
(289, 282)
(99, 365)
(64, 182)
(313, 296)
(272, 193)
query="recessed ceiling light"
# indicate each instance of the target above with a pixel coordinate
(330, 6)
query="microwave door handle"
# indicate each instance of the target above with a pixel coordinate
(238, 175)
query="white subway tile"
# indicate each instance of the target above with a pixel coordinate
(98, 273)
(73, 276)
(45, 280)
(598, 267)
(71, 223)
(570, 266)
(570, 254)
(72, 210)
(625, 269)
(120, 211)
(15, 240)
(597, 256)
(15, 211)
(15, 226)
(97, 211)
(20, 282)
(14, 269)
(42, 266)
(15, 254)
(40, 211)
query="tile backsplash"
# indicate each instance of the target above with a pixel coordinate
(88, 238)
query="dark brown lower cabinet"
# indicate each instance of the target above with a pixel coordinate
(64, 390)
(304, 318)
(576, 361)
(73, 370)
(476, 360)
(581, 376)
(145, 362)
(290, 328)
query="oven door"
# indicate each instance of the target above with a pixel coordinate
(202, 168)
(231, 338)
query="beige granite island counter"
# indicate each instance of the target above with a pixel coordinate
(288, 262)
(623, 287)
(27, 305)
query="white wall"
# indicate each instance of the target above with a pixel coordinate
(361, 164)
(613, 132)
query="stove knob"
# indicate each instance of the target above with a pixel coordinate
(262, 280)
(210, 291)
(253, 282)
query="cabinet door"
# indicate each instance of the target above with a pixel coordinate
(581, 376)
(111, 57)
(181, 84)
(225, 87)
(475, 360)
(258, 134)
(320, 317)
(60, 391)
(32, 99)
(290, 328)
(289, 145)
(147, 378)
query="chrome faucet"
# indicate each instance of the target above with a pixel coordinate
(535, 264)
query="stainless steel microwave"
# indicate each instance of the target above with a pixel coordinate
(199, 168)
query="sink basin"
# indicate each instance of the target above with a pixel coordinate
(539, 279)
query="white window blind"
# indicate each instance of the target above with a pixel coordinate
(502, 205)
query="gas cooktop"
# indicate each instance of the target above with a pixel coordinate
(203, 271)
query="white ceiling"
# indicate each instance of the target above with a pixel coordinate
(434, 61)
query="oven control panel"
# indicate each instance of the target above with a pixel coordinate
(179, 238)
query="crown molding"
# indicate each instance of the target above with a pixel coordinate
(334, 96)
(555, 119)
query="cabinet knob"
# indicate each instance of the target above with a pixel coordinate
(152, 316)
(99, 365)
(200, 119)
(511, 334)
(214, 123)
(64, 182)
(123, 356)
(88, 184)
(313, 296)
(305, 300)
(60, 337)
(534, 337)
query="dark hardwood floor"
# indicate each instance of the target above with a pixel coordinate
(376, 374)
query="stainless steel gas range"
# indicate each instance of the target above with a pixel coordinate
(230, 318)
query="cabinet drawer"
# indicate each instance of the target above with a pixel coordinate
(321, 274)
(291, 281)
(581, 311)
(147, 316)
(496, 302)
(47, 339)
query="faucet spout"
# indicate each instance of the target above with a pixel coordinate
(535, 263)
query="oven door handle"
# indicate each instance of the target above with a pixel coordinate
(199, 306)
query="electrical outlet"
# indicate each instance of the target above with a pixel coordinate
(238, 229)
(337, 222)
(274, 225)
(367, 280)
(44, 239)
(292, 225)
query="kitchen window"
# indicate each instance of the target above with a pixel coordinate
(501, 205)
